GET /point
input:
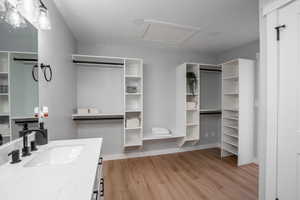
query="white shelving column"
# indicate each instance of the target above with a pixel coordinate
(187, 104)
(133, 103)
(4, 97)
(238, 110)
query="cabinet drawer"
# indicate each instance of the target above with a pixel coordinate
(98, 192)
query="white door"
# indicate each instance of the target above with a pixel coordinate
(289, 103)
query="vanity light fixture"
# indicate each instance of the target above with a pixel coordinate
(14, 18)
(35, 10)
(43, 21)
(2, 6)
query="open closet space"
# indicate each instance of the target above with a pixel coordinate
(131, 99)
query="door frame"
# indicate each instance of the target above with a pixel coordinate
(268, 103)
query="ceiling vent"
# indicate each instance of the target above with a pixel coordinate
(166, 32)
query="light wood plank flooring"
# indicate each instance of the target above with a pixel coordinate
(192, 175)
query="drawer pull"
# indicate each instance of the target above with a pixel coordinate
(102, 187)
(96, 193)
(100, 161)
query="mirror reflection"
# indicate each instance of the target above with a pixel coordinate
(18, 70)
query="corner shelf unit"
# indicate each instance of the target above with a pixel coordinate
(188, 102)
(132, 80)
(238, 110)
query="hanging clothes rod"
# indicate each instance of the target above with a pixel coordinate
(91, 119)
(211, 70)
(26, 59)
(211, 113)
(97, 63)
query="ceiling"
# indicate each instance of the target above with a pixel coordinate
(221, 24)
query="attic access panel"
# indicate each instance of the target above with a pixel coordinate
(165, 32)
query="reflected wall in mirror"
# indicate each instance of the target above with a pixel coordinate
(18, 89)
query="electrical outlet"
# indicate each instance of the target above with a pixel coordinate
(213, 134)
(206, 135)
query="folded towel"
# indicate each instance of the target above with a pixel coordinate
(160, 131)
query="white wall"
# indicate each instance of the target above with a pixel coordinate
(55, 48)
(159, 93)
(247, 51)
(19, 39)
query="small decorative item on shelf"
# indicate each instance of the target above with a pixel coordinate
(131, 89)
(83, 111)
(93, 111)
(3, 89)
(191, 105)
(192, 82)
(133, 122)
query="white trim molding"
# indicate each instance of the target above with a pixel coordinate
(275, 5)
(159, 152)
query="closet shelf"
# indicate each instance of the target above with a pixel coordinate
(149, 137)
(231, 109)
(133, 94)
(98, 116)
(133, 111)
(231, 77)
(133, 144)
(231, 143)
(234, 127)
(135, 128)
(4, 114)
(133, 76)
(190, 139)
(192, 124)
(230, 150)
(231, 135)
(231, 118)
(231, 93)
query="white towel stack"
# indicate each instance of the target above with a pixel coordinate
(161, 131)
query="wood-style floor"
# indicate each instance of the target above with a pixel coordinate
(195, 175)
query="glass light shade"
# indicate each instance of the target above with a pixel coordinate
(2, 6)
(44, 21)
(29, 8)
(14, 18)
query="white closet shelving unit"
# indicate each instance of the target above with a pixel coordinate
(4, 96)
(133, 102)
(187, 104)
(238, 110)
(132, 114)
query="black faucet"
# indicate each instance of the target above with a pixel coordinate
(41, 137)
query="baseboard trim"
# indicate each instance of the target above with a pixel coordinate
(159, 152)
(255, 160)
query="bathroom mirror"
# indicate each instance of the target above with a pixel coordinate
(19, 93)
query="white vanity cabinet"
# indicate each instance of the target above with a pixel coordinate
(98, 191)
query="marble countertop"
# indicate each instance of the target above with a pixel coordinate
(72, 181)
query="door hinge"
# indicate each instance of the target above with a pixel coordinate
(278, 29)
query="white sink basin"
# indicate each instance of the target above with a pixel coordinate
(56, 155)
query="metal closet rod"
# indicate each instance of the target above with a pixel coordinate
(26, 59)
(97, 63)
(210, 113)
(211, 70)
(92, 119)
